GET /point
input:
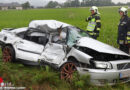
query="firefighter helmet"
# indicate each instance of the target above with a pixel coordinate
(95, 9)
(123, 9)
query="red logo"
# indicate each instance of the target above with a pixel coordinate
(1, 82)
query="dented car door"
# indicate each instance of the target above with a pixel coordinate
(53, 53)
(28, 50)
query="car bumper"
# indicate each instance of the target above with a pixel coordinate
(102, 77)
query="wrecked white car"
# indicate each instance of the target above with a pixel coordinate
(38, 44)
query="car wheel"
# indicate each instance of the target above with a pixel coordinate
(67, 71)
(8, 54)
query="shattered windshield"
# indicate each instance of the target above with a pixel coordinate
(74, 35)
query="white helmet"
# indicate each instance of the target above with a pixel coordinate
(95, 9)
(123, 9)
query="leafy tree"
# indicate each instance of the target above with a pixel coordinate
(76, 3)
(128, 3)
(67, 4)
(72, 3)
(52, 4)
(26, 5)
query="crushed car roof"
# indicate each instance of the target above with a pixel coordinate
(53, 24)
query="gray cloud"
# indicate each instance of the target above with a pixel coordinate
(33, 2)
(44, 2)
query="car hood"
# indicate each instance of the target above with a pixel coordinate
(99, 46)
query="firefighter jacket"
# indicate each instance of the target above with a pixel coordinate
(94, 25)
(123, 32)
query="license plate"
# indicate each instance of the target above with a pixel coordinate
(124, 74)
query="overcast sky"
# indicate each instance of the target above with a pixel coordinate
(44, 2)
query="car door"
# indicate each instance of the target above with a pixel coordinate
(53, 53)
(30, 49)
(27, 50)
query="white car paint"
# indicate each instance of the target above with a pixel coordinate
(53, 24)
(56, 54)
(99, 46)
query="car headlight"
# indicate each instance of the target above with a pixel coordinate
(103, 65)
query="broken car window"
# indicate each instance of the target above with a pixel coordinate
(37, 37)
(74, 35)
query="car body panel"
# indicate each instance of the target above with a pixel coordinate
(28, 46)
(53, 53)
(99, 46)
(53, 24)
(80, 56)
(28, 50)
(102, 77)
(15, 31)
(57, 54)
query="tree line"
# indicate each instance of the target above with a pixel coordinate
(27, 5)
(84, 3)
(77, 3)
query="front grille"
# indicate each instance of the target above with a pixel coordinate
(123, 66)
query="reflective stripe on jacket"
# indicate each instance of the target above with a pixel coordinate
(91, 25)
(94, 25)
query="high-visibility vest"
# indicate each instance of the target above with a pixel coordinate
(91, 25)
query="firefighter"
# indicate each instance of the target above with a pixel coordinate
(94, 23)
(123, 33)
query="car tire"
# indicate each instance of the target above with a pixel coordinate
(67, 70)
(8, 54)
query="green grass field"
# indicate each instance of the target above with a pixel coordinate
(75, 16)
(36, 77)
